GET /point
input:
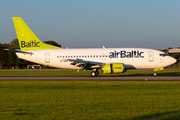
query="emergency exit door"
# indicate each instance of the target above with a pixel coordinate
(47, 57)
(151, 56)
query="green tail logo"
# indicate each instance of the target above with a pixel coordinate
(26, 37)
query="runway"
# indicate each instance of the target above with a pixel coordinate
(114, 78)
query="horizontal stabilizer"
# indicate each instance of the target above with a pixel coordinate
(19, 51)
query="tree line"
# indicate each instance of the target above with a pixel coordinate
(9, 60)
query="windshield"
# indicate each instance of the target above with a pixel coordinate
(164, 54)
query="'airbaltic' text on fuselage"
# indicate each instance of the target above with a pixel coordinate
(125, 54)
(30, 44)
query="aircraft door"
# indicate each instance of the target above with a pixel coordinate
(151, 56)
(47, 57)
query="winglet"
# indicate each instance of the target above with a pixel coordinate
(26, 37)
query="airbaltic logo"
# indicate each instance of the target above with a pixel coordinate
(32, 43)
(125, 54)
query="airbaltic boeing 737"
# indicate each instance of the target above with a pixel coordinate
(110, 60)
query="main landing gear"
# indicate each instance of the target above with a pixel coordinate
(94, 73)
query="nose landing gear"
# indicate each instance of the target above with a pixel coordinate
(155, 74)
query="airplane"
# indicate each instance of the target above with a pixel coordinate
(109, 60)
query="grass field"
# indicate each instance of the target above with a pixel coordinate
(90, 100)
(127, 100)
(57, 72)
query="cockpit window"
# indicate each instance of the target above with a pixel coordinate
(163, 55)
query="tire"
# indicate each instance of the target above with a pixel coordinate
(155, 74)
(97, 73)
(93, 74)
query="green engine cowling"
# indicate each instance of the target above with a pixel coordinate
(114, 68)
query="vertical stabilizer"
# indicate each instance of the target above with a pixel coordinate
(26, 37)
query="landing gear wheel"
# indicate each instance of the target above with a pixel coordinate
(94, 73)
(155, 73)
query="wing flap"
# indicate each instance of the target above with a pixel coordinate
(85, 64)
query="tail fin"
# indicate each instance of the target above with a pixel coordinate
(26, 37)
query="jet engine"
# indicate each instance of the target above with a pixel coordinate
(114, 68)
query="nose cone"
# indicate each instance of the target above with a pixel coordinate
(172, 60)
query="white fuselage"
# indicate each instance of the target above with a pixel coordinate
(133, 58)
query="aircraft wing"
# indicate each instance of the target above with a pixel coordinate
(85, 64)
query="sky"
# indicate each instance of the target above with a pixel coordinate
(96, 23)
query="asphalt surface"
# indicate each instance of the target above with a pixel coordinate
(114, 78)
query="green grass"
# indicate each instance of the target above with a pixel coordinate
(90, 100)
(84, 73)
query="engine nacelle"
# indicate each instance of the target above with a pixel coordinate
(114, 68)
